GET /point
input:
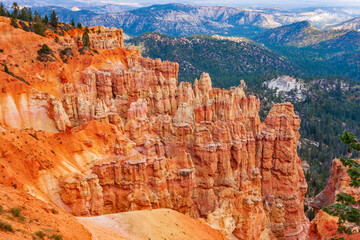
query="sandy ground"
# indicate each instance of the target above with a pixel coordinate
(149, 225)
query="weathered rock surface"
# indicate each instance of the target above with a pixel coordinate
(122, 135)
(338, 183)
(324, 226)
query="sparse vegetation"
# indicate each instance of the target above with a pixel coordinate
(6, 69)
(86, 40)
(53, 19)
(14, 22)
(57, 237)
(40, 234)
(16, 212)
(22, 219)
(65, 54)
(45, 54)
(311, 214)
(45, 49)
(4, 226)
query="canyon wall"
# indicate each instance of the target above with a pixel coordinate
(124, 135)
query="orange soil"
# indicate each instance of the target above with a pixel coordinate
(149, 224)
(39, 216)
(28, 155)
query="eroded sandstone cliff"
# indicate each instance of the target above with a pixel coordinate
(109, 131)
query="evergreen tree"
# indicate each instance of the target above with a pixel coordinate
(347, 208)
(2, 10)
(86, 40)
(30, 15)
(6, 69)
(39, 27)
(46, 19)
(54, 19)
(79, 25)
(72, 22)
(15, 8)
(24, 15)
(87, 29)
(14, 22)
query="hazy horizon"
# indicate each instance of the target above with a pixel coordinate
(239, 3)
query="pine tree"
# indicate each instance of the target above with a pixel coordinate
(86, 40)
(72, 22)
(79, 25)
(6, 69)
(2, 10)
(39, 27)
(30, 15)
(45, 20)
(15, 8)
(14, 22)
(54, 19)
(24, 15)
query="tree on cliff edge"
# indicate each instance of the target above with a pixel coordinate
(347, 208)
(54, 19)
(86, 40)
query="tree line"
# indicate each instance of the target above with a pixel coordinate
(36, 23)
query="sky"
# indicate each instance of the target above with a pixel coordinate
(243, 3)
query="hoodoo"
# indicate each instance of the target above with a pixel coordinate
(104, 130)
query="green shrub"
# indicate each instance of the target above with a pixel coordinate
(6, 69)
(22, 219)
(14, 23)
(40, 234)
(16, 212)
(6, 227)
(1, 208)
(45, 49)
(57, 237)
(311, 214)
(86, 40)
(1, 50)
(306, 208)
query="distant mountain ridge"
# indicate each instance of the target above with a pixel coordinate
(184, 20)
(353, 24)
(303, 34)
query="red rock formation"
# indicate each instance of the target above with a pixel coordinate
(196, 149)
(338, 183)
(323, 225)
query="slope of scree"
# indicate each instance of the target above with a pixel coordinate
(109, 131)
